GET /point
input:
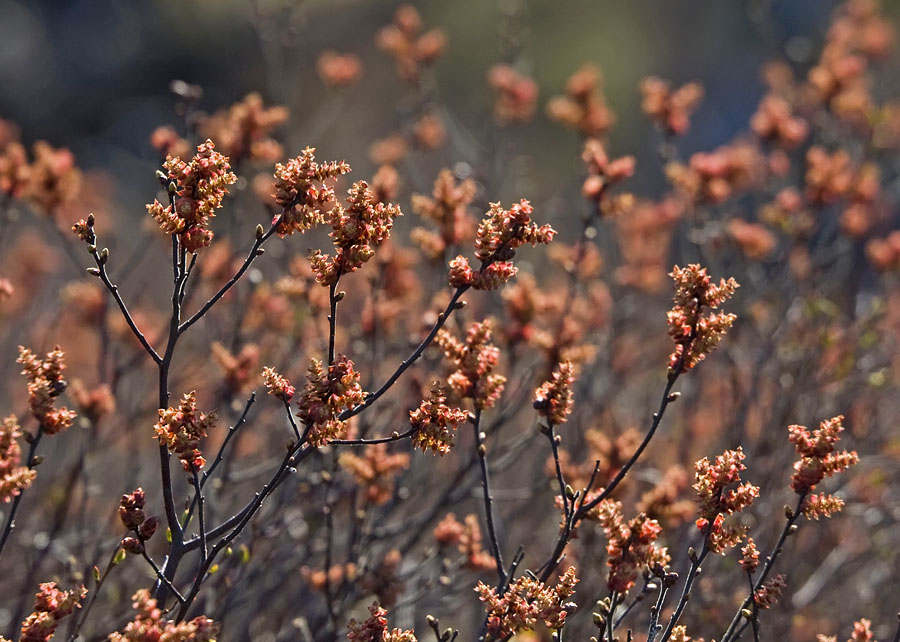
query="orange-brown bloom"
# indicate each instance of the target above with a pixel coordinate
(818, 458)
(325, 396)
(14, 478)
(45, 383)
(435, 422)
(50, 606)
(375, 628)
(554, 398)
(302, 192)
(148, 625)
(475, 361)
(181, 429)
(670, 109)
(527, 602)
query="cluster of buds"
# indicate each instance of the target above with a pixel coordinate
(475, 361)
(716, 176)
(50, 606)
(749, 556)
(14, 478)
(356, 230)
(833, 177)
(645, 236)
(375, 628)
(302, 193)
(670, 109)
(755, 241)
(243, 130)
(410, 48)
(197, 189)
(554, 398)
(499, 235)
(277, 385)
(818, 459)
(716, 500)
(516, 94)
(631, 545)
(583, 107)
(695, 333)
(339, 70)
(50, 181)
(435, 423)
(448, 209)
(149, 624)
(325, 396)
(181, 429)
(767, 595)
(526, 602)
(131, 512)
(775, 121)
(45, 383)
(468, 540)
(603, 172)
(376, 470)
(788, 213)
(239, 368)
(884, 253)
(862, 632)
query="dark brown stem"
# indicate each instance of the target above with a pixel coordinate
(201, 514)
(488, 500)
(11, 517)
(110, 565)
(688, 583)
(397, 436)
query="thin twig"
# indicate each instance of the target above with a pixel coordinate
(488, 500)
(11, 517)
(200, 513)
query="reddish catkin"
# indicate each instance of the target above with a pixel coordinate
(435, 423)
(181, 429)
(14, 477)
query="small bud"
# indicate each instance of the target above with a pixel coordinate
(431, 620)
(460, 305)
(104, 255)
(557, 439)
(260, 251)
(93, 271)
(793, 529)
(172, 187)
(37, 460)
(395, 435)
(340, 295)
(229, 552)
(213, 569)
(441, 316)
(96, 574)
(90, 219)
(92, 249)
(326, 477)
(570, 492)
(599, 620)
(447, 634)
(169, 535)
(482, 450)
(747, 613)
(692, 554)
(162, 177)
(788, 511)
(148, 527)
(259, 232)
(133, 545)
(29, 437)
(119, 558)
(673, 396)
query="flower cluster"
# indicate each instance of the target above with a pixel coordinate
(14, 478)
(527, 602)
(602, 171)
(884, 253)
(375, 628)
(554, 398)
(448, 208)
(696, 334)
(475, 361)
(325, 396)
(834, 177)
(277, 385)
(631, 545)
(749, 556)
(818, 459)
(339, 70)
(181, 429)
(149, 626)
(356, 229)
(242, 131)
(50, 181)
(583, 107)
(516, 94)
(93, 403)
(200, 186)
(50, 606)
(775, 121)
(301, 191)
(131, 512)
(755, 241)
(375, 470)
(467, 538)
(434, 422)
(45, 383)
(410, 48)
(715, 500)
(716, 176)
(670, 109)
(767, 595)
(862, 632)
(499, 235)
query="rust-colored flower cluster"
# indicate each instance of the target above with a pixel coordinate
(325, 396)
(50, 181)
(554, 399)
(583, 106)
(435, 422)
(198, 187)
(526, 602)
(14, 477)
(93, 403)
(603, 172)
(181, 429)
(375, 628)
(448, 209)
(411, 49)
(775, 121)
(277, 385)
(645, 234)
(339, 69)
(819, 459)
(50, 606)
(302, 193)
(755, 241)
(45, 383)
(862, 632)
(716, 176)
(670, 109)
(695, 333)
(884, 253)
(631, 545)
(516, 94)
(149, 626)
(716, 499)
(767, 595)
(499, 235)
(131, 512)
(475, 361)
(356, 230)
(243, 130)
(376, 471)
(834, 177)
(466, 536)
